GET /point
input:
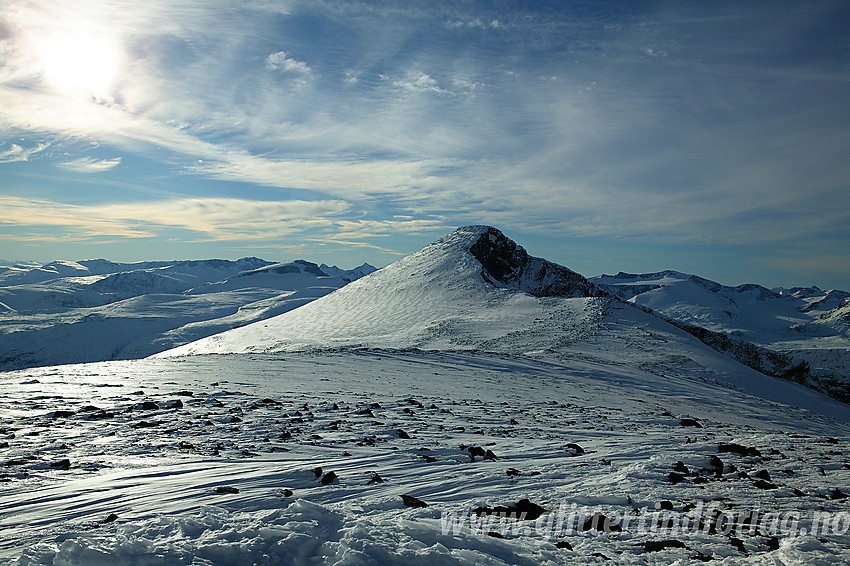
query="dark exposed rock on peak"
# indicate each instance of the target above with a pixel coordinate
(505, 263)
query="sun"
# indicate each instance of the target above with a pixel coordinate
(80, 64)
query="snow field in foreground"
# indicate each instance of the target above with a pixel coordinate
(212, 460)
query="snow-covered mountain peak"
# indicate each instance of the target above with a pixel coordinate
(472, 289)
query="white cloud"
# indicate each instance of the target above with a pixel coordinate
(18, 153)
(90, 164)
(280, 61)
(422, 82)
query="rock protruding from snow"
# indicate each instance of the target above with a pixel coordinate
(505, 263)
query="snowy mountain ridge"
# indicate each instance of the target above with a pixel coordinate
(90, 310)
(803, 323)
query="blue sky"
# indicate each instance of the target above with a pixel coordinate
(707, 137)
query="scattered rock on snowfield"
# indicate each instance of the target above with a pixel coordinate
(838, 494)
(681, 468)
(563, 544)
(328, 478)
(738, 449)
(761, 484)
(226, 489)
(376, 478)
(524, 509)
(737, 543)
(599, 522)
(574, 448)
(475, 451)
(111, 518)
(64, 464)
(690, 422)
(675, 478)
(402, 434)
(318, 471)
(658, 545)
(716, 465)
(762, 475)
(411, 501)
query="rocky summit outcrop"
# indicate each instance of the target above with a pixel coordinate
(506, 264)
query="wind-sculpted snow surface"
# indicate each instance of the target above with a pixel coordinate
(380, 457)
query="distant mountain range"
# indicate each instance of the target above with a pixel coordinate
(474, 289)
(93, 310)
(801, 333)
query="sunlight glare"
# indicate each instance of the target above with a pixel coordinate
(80, 65)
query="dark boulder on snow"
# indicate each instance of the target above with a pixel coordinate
(762, 475)
(690, 422)
(574, 449)
(675, 478)
(716, 466)
(64, 464)
(328, 478)
(411, 501)
(475, 451)
(659, 545)
(523, 509)
(599, 522)
(738, 449)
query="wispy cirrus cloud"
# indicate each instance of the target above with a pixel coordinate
(211, 218)
(90, 164)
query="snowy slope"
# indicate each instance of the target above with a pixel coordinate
(105, 310)
(210, 460)
(799, 321)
